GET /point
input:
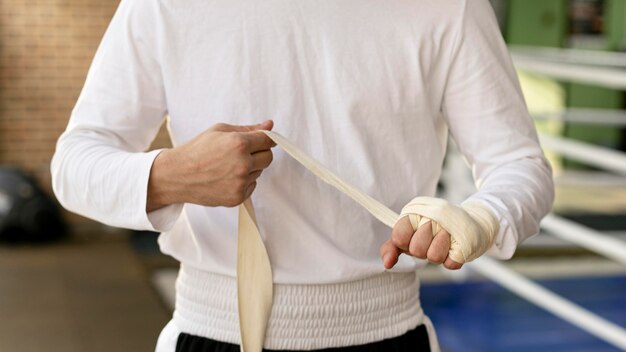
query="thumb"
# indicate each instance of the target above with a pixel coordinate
(389, 254)
(265, 125)
(224, 127)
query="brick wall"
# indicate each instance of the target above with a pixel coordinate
(46, 47)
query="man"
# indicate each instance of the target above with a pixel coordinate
(369, 88)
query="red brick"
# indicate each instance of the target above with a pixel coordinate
(46, 47)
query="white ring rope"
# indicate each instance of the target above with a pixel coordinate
(585, 116)
(583, 236)
(603, 158)
(605, 77)
(572, 56)
(550, 301)
(566, 66)
(578, 234)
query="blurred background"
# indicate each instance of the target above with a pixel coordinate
(64, 279)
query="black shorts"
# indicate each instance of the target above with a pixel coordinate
(415, 340)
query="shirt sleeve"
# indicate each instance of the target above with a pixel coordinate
(99, 168)
(487, 117)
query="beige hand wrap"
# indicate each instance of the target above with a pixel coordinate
(472, 228)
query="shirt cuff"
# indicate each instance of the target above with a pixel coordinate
(163, 219)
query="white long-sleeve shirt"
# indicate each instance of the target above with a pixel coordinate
(370, 88)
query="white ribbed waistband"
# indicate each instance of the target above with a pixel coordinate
(303, 317)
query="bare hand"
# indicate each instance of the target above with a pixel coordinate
(219, 167)
(420, 244)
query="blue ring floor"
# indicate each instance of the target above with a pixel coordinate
(480, 316)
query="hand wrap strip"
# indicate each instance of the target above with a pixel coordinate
(471, 226)
(255, 286)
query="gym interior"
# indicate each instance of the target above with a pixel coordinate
(64, 279)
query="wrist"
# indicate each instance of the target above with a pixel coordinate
(164, 186)
(486, 219)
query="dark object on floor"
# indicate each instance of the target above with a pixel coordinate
(27, 214)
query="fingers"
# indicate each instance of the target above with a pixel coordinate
(424, 246)
(258, 141)
(261, 160)
(265, 125)
(254, 175)
(421, 241)
(420, 244)
(436, 253)
(452, 265)
(416, 243)
(402, 234)
(224, 127)
(439, 247)
(389, 254)
(249, 138)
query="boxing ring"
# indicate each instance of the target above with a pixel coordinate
(609, 71)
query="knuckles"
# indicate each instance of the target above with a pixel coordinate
(238, 143)
(401, 245)
(243, 168)
(418, 252)
(399, 239)
(219, 127)
(436, 257)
